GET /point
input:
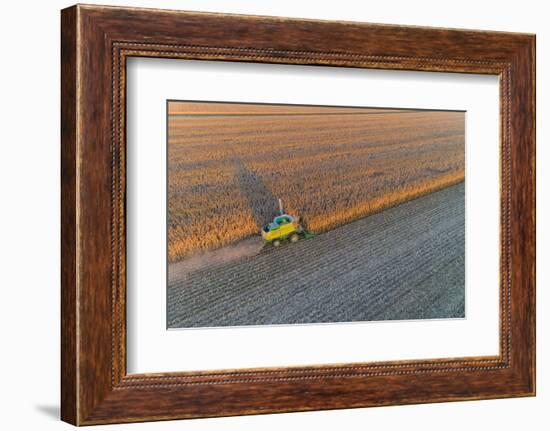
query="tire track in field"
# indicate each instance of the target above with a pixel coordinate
(405, 262)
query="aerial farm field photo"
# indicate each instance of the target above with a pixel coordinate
(299, 214)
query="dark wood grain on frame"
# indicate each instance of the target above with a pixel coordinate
(96, 41)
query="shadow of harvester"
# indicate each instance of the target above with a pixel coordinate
(261, 201)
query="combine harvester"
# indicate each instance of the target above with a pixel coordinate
(284, 227)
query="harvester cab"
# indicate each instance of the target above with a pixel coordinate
(283, 227)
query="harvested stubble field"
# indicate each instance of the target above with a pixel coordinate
(228, 164)
(406, 262)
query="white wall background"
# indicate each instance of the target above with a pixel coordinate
(29, 215)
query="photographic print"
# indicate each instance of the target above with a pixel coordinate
(300, 214)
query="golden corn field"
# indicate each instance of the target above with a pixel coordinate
(228, 164)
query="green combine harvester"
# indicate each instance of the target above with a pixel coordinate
(284, 227)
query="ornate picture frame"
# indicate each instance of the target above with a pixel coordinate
(96, 41)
